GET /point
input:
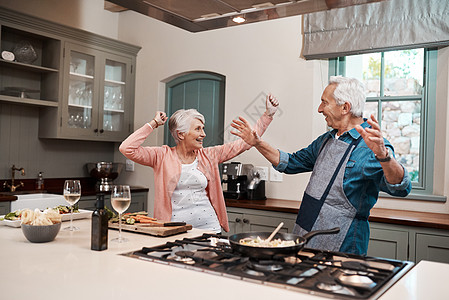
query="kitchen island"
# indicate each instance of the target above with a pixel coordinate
(67, 269)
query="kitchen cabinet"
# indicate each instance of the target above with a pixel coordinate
(5, 207)
(247, 220)
(34, 76)
(97, 102)
(138, 202)
(388, 243)
(83, 83)
(432, 247)
(408, 242)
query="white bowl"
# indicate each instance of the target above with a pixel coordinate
(41, 233)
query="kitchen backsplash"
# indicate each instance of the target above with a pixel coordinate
(20, 145)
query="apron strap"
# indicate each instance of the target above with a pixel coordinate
(324, 144)
(331, 182)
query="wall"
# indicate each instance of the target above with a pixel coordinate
(255, 58)
(21, 146)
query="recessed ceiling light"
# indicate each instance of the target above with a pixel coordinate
(239, 19)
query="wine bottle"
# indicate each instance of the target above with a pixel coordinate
(99, 237)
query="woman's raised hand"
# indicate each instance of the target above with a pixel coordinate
(271, 105)
(160, 118)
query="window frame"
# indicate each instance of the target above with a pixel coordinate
(422, 189)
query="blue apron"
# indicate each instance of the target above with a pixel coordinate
(324, 204)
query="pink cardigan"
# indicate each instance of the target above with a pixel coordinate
(167, 168)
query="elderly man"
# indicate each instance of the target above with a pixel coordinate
(349, 165)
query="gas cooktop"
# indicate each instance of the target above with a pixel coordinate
(322, 273)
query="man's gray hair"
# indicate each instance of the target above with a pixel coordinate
(180, 121)
(349, 90)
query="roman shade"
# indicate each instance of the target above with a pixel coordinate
(375, 27)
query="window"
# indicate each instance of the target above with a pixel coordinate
(401, 95)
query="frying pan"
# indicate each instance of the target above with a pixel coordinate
(268, 252)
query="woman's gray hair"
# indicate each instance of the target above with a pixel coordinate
(180, 121)
(349, 90)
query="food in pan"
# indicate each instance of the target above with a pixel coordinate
(258, 242)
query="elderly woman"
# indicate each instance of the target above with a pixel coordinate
(186, 177)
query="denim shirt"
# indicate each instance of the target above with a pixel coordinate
(363, 179)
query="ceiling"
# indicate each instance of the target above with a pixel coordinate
(202, 15)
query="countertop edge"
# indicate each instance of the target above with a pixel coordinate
(6, 198)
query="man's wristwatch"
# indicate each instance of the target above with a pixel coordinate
(386, 158)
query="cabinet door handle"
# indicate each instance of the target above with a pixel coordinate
(246, 221)
(237, 220)
(96, 130)
(101, 130)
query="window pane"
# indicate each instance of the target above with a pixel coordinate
(371, 108)
(397, 89)
(366, 68)
(404, 72)
(401, 126)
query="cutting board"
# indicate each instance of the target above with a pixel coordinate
(153, 229)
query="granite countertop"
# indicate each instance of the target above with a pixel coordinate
(382, 215)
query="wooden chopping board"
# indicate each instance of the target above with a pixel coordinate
(153, 229)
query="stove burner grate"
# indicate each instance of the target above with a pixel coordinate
(182, 256)
(267, 266)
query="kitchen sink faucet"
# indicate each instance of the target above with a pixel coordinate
(13, 187)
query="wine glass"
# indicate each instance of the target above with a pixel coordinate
(72, 193)
(114, 100)
(120, 97)
(73, 67)
(120, 200)
(106, 98)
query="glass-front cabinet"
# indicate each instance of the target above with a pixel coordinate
(97, 95)
(81, 89)
(114, 96)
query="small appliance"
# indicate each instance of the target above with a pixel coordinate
(242, 181)
(105, 173)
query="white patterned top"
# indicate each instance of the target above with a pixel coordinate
(189, 201)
